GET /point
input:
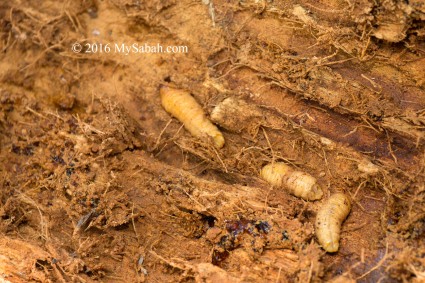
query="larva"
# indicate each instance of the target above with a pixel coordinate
(329, 219)
(181, 105)
(298, 183)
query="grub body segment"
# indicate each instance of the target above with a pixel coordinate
(181, 105)
(329, 220)
(298, 183)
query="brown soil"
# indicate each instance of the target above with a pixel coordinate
(99, 183)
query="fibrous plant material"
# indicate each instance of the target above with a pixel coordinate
(298, 183)
(329, 220)
(181, 105)
(237, 115)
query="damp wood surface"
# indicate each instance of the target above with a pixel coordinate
(99, 183)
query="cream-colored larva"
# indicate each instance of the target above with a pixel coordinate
(181, 105)
(298, 183)
(329, 220)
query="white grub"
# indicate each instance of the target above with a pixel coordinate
(181, 105)
(298, 183)
(329, 220)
